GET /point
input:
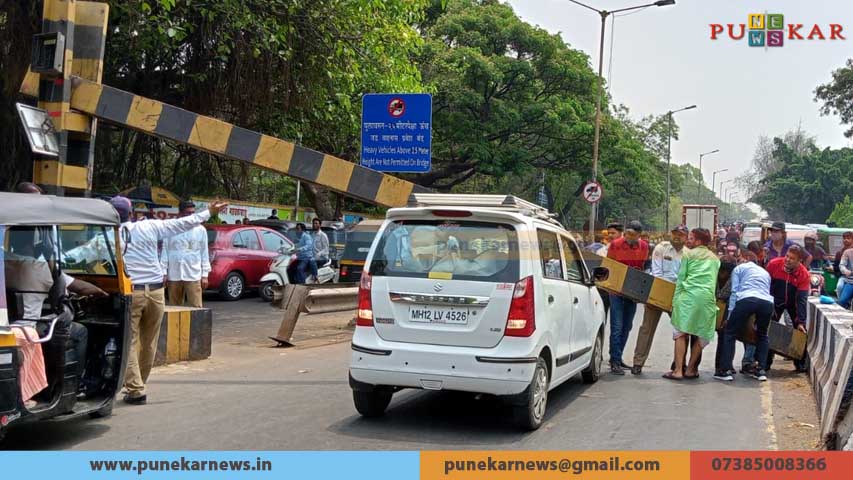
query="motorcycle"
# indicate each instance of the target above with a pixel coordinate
(283, 272)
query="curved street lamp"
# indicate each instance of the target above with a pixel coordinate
(699, 187)
(604, 14)
(668, 161)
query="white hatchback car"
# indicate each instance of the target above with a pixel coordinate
(474, 293)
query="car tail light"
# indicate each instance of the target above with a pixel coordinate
(344, 270)
(364, 315)
(521, 320)
(451, 213)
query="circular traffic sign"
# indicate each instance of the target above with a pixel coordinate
(396, 107)
(592, 192)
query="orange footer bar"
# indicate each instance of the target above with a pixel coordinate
(635, 465)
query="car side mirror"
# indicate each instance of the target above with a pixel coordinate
(601, 274)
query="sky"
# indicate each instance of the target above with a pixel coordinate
(663, 59)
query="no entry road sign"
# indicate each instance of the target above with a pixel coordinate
(396, 132)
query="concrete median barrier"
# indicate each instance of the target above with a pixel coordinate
(830, 348)
(299, 299)
(185, 334)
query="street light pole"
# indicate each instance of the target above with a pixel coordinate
(714, 182)
(722, 192)
(699, 187)
(669, 161)
(597, 136)
(593, 212)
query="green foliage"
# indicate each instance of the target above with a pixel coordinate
(513, 104)
(807, 184)
(837, 96)
(513, 101)
(842, 214)
(509, 97)
(295, 69)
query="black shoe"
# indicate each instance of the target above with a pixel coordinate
(616, 369)
(636, 370)
(760, 375)
(140, 400)
(724, 376)
(748, 369)
(624, 365)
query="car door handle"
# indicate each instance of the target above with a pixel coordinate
(550, 299)
(576, 300)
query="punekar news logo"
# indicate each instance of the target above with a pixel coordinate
(770, 30)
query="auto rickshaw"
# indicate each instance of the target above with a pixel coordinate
(39, 235)
(832, 243)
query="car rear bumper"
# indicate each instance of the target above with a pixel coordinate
(497, 371)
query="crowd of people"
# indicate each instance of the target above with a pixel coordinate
(719, 288)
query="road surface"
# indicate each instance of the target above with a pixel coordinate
(252, 396)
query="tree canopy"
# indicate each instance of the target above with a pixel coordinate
(842, 214)
(513, 105)
(806, 183)
(837, 96)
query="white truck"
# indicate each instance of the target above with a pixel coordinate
(700, 216)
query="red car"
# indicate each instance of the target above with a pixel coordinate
(240, 256)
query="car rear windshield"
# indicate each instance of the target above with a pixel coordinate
(358, 245)
(462, 250)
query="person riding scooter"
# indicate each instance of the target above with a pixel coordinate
(304, 254)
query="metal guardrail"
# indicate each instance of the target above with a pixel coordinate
(310, 299)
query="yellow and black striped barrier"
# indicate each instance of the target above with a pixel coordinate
(634, 284)
(221, 138)
(185, 334)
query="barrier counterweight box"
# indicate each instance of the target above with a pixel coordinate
(185, 334)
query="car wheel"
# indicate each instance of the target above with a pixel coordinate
(103, 412)
(371, 403)
(265, 291)
(530, 415)
(592, 373)
(233, 287)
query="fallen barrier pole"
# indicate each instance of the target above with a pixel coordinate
(830, 348)
(310, 299)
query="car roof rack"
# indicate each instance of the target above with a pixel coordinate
(507, 203)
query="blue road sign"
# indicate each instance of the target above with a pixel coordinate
(396, 132)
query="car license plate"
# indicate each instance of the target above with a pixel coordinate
(434, 314)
